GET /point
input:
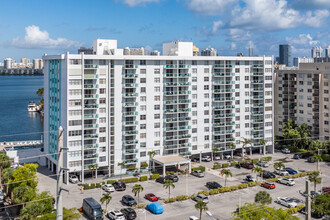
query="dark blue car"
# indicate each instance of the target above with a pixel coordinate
(291, 171)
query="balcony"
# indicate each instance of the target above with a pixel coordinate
(257, 81)
(178, 93)
(89, 106)
(129, 114)
(91, 146)
(91, 76)
(219, 124)
(130, 85)
(91, 136)
(127, 152)
(131, 94)
(91, 86)
(257, 97)
(223, 90)
(90, 126)
(258, 66)
(257, 120)
(177, 119)
(218, 66)
(130, 66)
(130, 142)
(184, 83)
(89, 156)
(130, 161)
(257, 89)
(184, 66)
(130, 132)
(170, 66)
(257, 74)
(130, 123)
(91, 116)
(171, 75)
(130, 104)
(184, 75)
(131, 75)
(178, 137)
(91, 66)
(95, 96)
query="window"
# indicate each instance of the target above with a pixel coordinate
(206, 146)
(194, 62)
(75, 92)
(206, 70)
(268, 85)
(75, 123)
(247, 93)
(143, 117)
(194, 96)
(103, 101)
(143, 98)
(75, 133)
(157, 98)
(75, 82)
(194, 87)
(194, 104)
(143, 89)
(74, 112)
(194, 130)
(194, 79)
(157, 143)
(206, 121)
(236, 70)
(237, 78)
(247, 101)
(247, 117)
(143, 135)
(246, 77)
(246, 86)
(237, 86)
(142, 62)
(157, 80)
(206, 79)
(206, 129)
(247, 125)
(143, 154)
(143, 71)
(102, 139)
(74, 143)
(76, 102)
(194, 139)
(102, 130)
(143, 80)
(194, 113)
(156, 116)
(143, 126)
(157, 107)
(237, 94)
(157, 71)
(206, 112)
(143, 107)
(102, 81)
(206, 87)
(157, 125)
(157, 89)
(157, 134)
(194, 70)
(247, 109)
(102, 91)
(102, 120)
(206, 137)
(206, 95)
(206, 104)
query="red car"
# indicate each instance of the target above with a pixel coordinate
(247, 165)
(151, 197)
(326, 189)
(268, 185)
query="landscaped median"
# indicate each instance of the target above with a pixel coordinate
(127, 180)
(233, 164)
(234, 188)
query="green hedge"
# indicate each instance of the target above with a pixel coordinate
(170, 200)
(154, 176)
(243, 185)
(103, 182)
(242, 161)
(98, 185)
(326, 157)
(233, 164)
(205, 192)
(143, 178)
(225, 165)
(130, 180)
(111, 181)
(266, 158)
(92, 186)
(216, 166)
(86, 186)
(181, 197)
(198, 168)
(254, 161)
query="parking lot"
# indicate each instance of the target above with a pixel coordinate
(220, 205)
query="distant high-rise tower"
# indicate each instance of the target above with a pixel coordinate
(317, 52)
(285, 54)
(327, 51)
(250, 51)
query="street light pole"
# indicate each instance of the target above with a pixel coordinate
(59, 205)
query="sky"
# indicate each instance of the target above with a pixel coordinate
(35, 27)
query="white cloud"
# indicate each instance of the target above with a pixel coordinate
(35, 38)
(236, 34)
(318, 19)
(311, 4)
(209, 7)
(302, 39)
(133, 3)
(216, 26)
(233, 46)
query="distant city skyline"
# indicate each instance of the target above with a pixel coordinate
(230, 26)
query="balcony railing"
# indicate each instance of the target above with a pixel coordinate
(91, 116)
(91, 86)
(130, 66)
(91, 76)
(91, 106)
(91, 66)
(95, 96)
(90, 146)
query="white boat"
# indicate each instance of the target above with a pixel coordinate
(33, 107)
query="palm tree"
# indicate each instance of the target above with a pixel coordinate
(106, 198)
(315, 178)
(151, 155)
(315, 145)
(244, 143)
(318, 158)
(92, 167)
(201, 206)
(122, 165)
(214, 151)
(167, 185)
(279, 165)
(226, 173)
(304, 133)
(263, 142)
(257, 170)
(137, 188)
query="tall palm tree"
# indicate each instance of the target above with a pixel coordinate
(245, 142)
(214, 151)
(315, 145)
(201, 206)
(151, 155)
(279, 165)
(168, 185)
(137, 188)
(315, 178)
(263, 142)
(122, 165)
(305, 134)
(92, 167)
(257, 170)
(318, 158)
(106, 198)
(226, 173)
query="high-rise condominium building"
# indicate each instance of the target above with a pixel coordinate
(298, 60)
(25, 61)
(302, 95)
(317, 52)
(116, 108)
(285, 54)
(38, 64)
(327, 51)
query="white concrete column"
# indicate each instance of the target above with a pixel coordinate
(153, 165)
(232, 154)
(95, 173)
(264, 150)
(164, 170)
(179, 166)
(260, 150)
(189, 167)
(250, 151)
(200, 157)
(221, 155)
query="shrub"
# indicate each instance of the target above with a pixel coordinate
(98, 185)
(92, 186)
(130, 180)
(191, 196)
(111, 181)
(292, 210)
(86, 186)
(143, 178)
(310, 172)
(258, 183)
(272, 179)
(169, 200)
(142, 206)
(205, 192)
(243, 185)
(214, 191)
(251, 184)
(233, 188)
(254, 161)
(225, 165)
(181, 197)
(216, 166)
(242, 161)
(248, 161)
(266, 158)
(103, 182)
(233, 164)
(144, 165)
(131, 167)
(224, 189)
(326, 157)
(154, 176)
(198, 168)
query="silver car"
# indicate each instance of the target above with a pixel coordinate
(201, 197)
(116, 215)
(108, 188)
(286, 181)
(285, 201)
(198, 173)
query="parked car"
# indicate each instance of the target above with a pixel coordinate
(128, 200)
(311, 160)
(151, 197)
(155, 208)
(286, 181)
(216, 158)
(286, 151)
(206, 158)
(201, 197)
(108, 188)
(263, 164)
(2, 206)
(92, 209)
(198, 173)
(213, 185)
(172, 177)
(129, 213)
(119, 186)
(267, 175)
(313, 194)
(227, 156)
(297, 156)
(268, 185)
(249, 178)
(291, 171)
(195, 159)
(14, 165)
(193, 218)
(281, 172)
(326, 190)
(247, 165)
(73, 179)
(285, 201)
(115, 215)
(314, 214)
(2, 196)
(160, 180)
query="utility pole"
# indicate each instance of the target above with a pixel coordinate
(308, 202)
(318, 161)
(59, 172)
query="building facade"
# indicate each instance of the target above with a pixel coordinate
(317, 52)
(116, 108)
(285, 54)
(302, 95)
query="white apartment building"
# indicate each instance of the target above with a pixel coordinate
(116, 108)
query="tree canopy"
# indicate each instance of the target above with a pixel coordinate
(263, 197)
(321, 204)
(25, 176)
